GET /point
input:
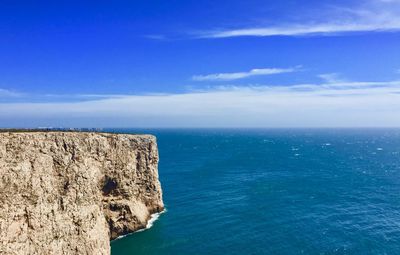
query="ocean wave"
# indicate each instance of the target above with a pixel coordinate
(153, 218)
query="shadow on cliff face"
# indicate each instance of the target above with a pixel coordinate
(109, 185)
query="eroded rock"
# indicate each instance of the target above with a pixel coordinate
(73, 192)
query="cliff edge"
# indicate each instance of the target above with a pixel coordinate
(73, 192)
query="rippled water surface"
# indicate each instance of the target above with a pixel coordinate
(275, 192)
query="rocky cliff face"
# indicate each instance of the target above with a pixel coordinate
(71, 192)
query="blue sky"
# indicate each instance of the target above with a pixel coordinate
(200, 63)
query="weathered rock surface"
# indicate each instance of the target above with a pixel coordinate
(72, 192)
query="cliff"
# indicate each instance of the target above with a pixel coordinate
(73, 192)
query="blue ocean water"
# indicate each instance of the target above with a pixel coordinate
(275, 192)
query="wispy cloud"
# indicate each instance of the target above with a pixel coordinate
(331, 78)
(311, 29)
(241, 75)
(158, 37)
(371, 16)
(314, 105)
(9, 93)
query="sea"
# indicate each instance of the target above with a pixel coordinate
(274, 191)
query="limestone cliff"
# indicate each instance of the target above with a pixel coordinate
(73, 192)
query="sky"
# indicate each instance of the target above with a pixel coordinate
(184, 63)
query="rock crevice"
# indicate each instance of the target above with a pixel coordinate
(73, 192)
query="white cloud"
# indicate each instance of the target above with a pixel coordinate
(241, 75)
(8, 93)
(371, 16)
(331, 77)
(306, 105)
(298, 30)
(156, 37)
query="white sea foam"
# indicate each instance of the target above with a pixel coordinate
(153, 218)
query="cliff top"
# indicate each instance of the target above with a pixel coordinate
(39, 130)
(48, 130)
